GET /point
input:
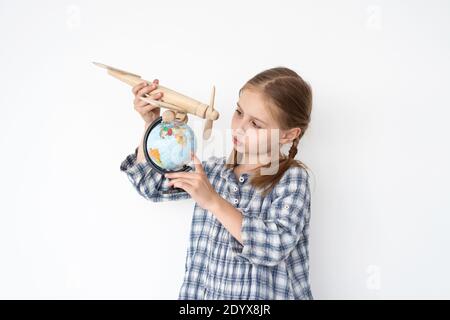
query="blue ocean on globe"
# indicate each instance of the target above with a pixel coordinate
(170, 145)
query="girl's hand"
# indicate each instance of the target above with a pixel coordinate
(147, 111)
(196, 184)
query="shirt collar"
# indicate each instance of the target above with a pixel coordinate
(227, 173)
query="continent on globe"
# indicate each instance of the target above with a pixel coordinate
(169, 145)
(154, 153)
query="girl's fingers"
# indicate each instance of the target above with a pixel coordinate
(179, 182)
(148, 108)
(147, 89)
(146, 92)
(142, 91)
(156, 96)
(142, 85)
(182, 175)
(186, 187)
(138, 87)
(197, 163)
(138, 103)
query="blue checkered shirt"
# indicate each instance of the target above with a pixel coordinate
(272, 263)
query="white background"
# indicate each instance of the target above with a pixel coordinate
(72, 226)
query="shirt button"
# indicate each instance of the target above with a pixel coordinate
(286, 206)
(235, 188)
(235, 201)
(241, 179)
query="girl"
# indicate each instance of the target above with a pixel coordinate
(249, 232)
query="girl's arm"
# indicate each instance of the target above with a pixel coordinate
(140, 158)
(267, 238)
(230, 217)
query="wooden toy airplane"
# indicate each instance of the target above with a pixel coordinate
(178, 104)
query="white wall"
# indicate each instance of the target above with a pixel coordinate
(71, 226)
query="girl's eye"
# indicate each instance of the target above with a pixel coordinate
(253, 122)
(255, 125)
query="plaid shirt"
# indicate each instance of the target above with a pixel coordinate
(272, 263)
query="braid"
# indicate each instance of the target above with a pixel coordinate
(293, 149)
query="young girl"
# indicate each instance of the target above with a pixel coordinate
(249, 232)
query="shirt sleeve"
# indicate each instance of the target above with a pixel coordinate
(149, 183)
(269, 237)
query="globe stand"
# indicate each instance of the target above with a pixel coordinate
(185, 168)
(172, 190)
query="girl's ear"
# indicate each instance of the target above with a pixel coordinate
(287, 136)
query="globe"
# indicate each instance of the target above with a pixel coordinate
(168, 145)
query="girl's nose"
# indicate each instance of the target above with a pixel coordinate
(239, 131)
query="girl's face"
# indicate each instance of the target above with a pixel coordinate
(255, 132)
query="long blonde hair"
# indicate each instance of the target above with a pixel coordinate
(292, 97)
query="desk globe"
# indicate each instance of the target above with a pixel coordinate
(168, 146)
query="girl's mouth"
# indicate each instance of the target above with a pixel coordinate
(236, 142)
